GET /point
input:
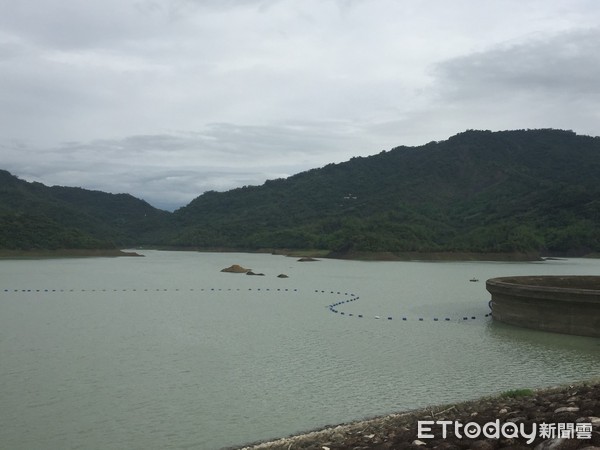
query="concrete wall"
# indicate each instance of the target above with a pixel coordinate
(561, 304)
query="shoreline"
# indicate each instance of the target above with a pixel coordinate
(575, 403)
(297, 253)
(436, 256)
(64, 253)
(376, 256)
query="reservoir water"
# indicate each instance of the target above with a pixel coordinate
(167, 352)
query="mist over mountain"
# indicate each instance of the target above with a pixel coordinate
(478, 191)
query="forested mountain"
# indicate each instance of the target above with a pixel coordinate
(34, 216)
(477, 191)
(481, 191)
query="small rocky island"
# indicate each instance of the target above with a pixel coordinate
(235, 268)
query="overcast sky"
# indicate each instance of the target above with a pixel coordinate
(165, 99)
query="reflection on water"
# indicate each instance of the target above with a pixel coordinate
(168, 352)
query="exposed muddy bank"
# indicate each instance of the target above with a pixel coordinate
(64, 253)
(372, 256)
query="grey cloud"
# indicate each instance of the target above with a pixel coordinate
(564, 64)
(71, 24)
(168, 98)
(169, 170)
(544, 81)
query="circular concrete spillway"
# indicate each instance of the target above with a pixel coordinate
(561, 304)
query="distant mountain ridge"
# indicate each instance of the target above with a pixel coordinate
(478, 191)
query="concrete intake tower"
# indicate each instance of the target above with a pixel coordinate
(561, 304)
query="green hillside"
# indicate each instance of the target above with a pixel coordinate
(482, 191)
(478, 191)
(34, 216)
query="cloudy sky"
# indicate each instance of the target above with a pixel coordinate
(165, 99)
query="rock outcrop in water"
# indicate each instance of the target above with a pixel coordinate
(235, 268)
(254, 273)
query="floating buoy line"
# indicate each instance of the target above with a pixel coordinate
(336, 307)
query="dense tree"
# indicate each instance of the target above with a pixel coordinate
(482, 191)
(104, 219)
(523, 190)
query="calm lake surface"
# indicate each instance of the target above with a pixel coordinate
(167, 352)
